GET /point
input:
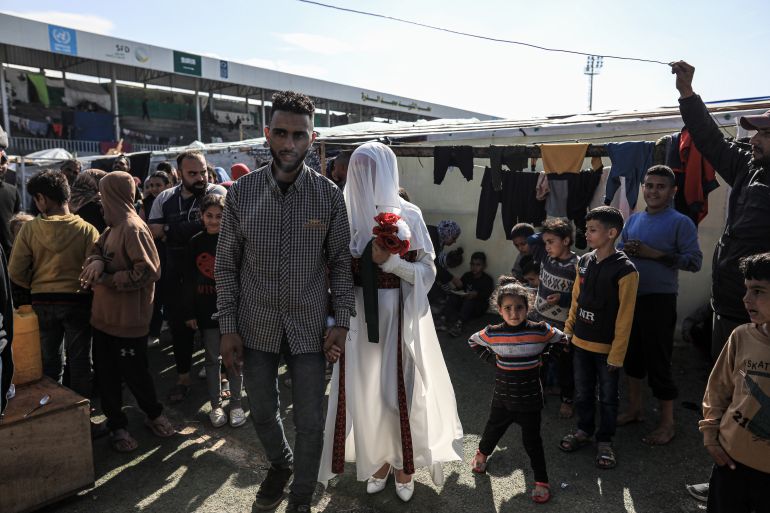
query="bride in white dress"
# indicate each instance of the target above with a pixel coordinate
(380, 424)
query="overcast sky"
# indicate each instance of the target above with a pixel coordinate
(726, 45)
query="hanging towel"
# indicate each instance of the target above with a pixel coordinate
(446, 156)
(619, 200)
(542, 189)
(556, 201)
(662, 147)
(699, 178)
(630, 160)
(563, 158)
(514, 157)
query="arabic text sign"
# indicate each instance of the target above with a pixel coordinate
(187, 63)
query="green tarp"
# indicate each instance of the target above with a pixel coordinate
(40, 86)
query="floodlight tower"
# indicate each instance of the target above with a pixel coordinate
(593, 67)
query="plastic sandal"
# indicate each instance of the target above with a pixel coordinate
(605, 456)
(178, 393)
(572, 442)
(542, 499)
(122, 441)
(160, 426)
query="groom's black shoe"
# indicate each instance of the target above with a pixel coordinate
(271, 490)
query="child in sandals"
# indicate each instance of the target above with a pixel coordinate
(515, 347)
(599, 324)
(122, 269)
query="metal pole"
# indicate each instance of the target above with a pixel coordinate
(328, 115)
(4, 96)
(115, 113)
(590, 92)
(262, 119)
(22, 184)
(198, 108)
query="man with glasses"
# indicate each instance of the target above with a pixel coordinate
(284, 227)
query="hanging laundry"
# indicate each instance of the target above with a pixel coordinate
(446, 156)
(619, 199)
(556, 201)
(563, 158)
(514, 157)
(582, 188)
(541, 188)
(673, 157)
(519, 203)
(630, 160)
(661, 149)
(699, 178)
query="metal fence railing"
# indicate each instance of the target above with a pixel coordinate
(26, 145)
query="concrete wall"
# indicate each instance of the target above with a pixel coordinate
(457, 199)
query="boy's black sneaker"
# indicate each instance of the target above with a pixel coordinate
(295, 507)
(271, 490)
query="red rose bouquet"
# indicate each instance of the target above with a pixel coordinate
(392, 233)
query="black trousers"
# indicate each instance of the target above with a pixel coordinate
(174, 308)
(566, 376)
(499, 421)
(118, 359)
(519, 204)
(743, 490)
(446, 156)
(651, 344)
(722, 327)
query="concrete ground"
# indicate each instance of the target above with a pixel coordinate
(204, 469)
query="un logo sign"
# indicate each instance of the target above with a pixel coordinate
(62, 37)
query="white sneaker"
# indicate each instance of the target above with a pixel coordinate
(218, 417)
(405, 490)
(237, 417)
(375, 484)
(202, 373)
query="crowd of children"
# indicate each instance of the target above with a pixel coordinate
(616, 307)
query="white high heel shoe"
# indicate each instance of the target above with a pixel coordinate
(375, 484)
(404, 490)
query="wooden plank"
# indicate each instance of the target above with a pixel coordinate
(48, 455)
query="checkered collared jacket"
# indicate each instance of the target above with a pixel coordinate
(273, 252)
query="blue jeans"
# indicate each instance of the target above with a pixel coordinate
(66, 329)
(591, 368)
(260, 378)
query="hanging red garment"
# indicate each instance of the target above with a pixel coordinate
(700, 177)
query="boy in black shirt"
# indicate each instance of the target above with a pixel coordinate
(471, 297)
(201, 305)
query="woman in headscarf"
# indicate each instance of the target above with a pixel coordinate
(392, 406)
(85, 200)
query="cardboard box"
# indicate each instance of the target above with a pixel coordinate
(46, 456)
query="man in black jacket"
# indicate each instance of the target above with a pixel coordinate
(747, 229)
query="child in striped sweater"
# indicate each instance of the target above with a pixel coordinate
(516, 347)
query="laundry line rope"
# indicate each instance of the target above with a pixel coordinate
(478, 36)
